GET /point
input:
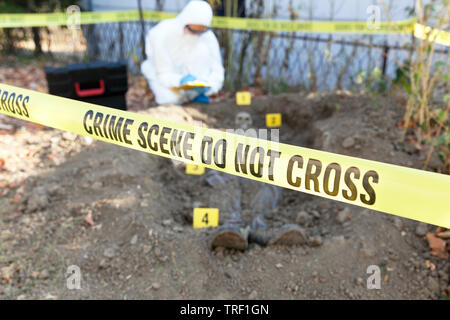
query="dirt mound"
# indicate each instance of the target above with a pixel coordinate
(125, 217)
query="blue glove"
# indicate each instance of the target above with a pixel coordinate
(201, 99)
(201, 90)
(187, 78)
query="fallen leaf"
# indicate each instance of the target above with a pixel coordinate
(6, 273)
(444, 234)
(34, 126)
(437, 246)
(401, 124)
(89, 220)
(430, 265)
(2, 164)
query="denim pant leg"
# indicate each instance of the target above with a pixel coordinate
(260, 198)
(225, 195)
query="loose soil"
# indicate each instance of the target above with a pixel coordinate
(142, 244)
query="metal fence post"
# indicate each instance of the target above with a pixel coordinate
(89, 31)
(141, 19)
(385, 57)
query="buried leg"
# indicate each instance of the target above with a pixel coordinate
(267, 199)
(227, 196)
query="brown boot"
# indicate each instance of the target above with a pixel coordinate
(230, 237)
(288, 235)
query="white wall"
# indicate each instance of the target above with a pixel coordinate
(113, 5)
(336, 10)
(315, 9)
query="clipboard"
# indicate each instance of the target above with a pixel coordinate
(191, 85)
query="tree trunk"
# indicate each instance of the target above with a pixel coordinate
(37, 40)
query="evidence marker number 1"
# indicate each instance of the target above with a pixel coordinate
(243, 98)
(205, 217)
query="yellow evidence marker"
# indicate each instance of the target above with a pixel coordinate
(243, 98)
(273, 120)
(206, 217)
(194, 169)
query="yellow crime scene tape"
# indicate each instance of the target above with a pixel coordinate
(356, 27)
(409, 193)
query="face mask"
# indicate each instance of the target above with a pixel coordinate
(195, 32)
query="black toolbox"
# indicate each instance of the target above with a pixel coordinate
(100, 83)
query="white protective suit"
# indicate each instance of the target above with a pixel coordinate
(172, 53)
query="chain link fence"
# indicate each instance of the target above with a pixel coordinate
(276, 61)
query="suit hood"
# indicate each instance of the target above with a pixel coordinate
(196, 12)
